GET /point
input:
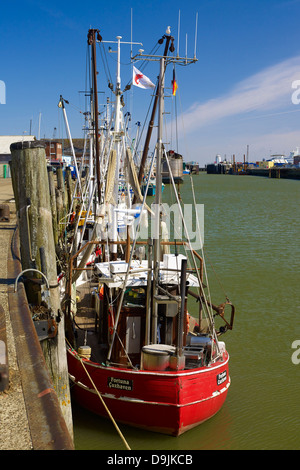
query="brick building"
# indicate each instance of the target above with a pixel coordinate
(53, 150)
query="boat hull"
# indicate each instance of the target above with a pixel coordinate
(168, 402)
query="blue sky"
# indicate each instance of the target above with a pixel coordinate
(239, 92)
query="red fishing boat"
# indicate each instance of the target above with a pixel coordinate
(134, 352)
(168, 401)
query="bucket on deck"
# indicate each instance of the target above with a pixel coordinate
(157, 356)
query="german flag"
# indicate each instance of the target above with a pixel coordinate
(174, 83)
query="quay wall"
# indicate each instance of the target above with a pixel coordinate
(274, 172)
(277, 172)
(30, 415)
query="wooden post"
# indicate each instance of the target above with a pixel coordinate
(69, 187)
(61, 200)
(60, 212)
(31, 190)
(61, 186)
(53, 204)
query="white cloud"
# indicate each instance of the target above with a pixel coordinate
(270, 89)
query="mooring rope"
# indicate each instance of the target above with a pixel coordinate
(101, 398)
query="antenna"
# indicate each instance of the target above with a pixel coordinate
(186, 36)
(131, 33)
(178, 33)
(174, 59)
(196, 34)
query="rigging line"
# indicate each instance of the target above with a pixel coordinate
(87, 75)
(82, 208)
(144, 62)
(217, 277)
(88, 87)
(205, 270)
(187, 152)
(144, 123)
(201, 241)
(126, 353)
(206, 255)
(75, 107)
(111, 304)
(206, 277)
(173, 201)
(183, 247)
(176, 116)
(105, 61)
(100, 396)
(179, 236)
(209, 312)
(122, 63)
(129, 263)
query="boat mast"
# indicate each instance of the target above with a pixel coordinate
(159, 98)
(157, 247)
(92, 43)
(117, 140)
(151, 122)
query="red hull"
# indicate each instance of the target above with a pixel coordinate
(169, 402)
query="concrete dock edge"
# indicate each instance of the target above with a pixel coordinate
(41, 420)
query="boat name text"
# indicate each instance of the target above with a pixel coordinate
(221, 377)
(121, 384)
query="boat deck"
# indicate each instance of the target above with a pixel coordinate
(86, 321)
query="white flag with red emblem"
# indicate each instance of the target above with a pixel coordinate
(140, 80)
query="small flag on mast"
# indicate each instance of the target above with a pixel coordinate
(140, 80)
(174, 83)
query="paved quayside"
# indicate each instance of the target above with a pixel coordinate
(30, 415)
(15, 433)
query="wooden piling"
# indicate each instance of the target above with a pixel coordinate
(61, 186)
(32, 196)
(69, 187)
(60, 212)
(53, 204)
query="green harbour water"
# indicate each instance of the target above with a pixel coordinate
(251, 240)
